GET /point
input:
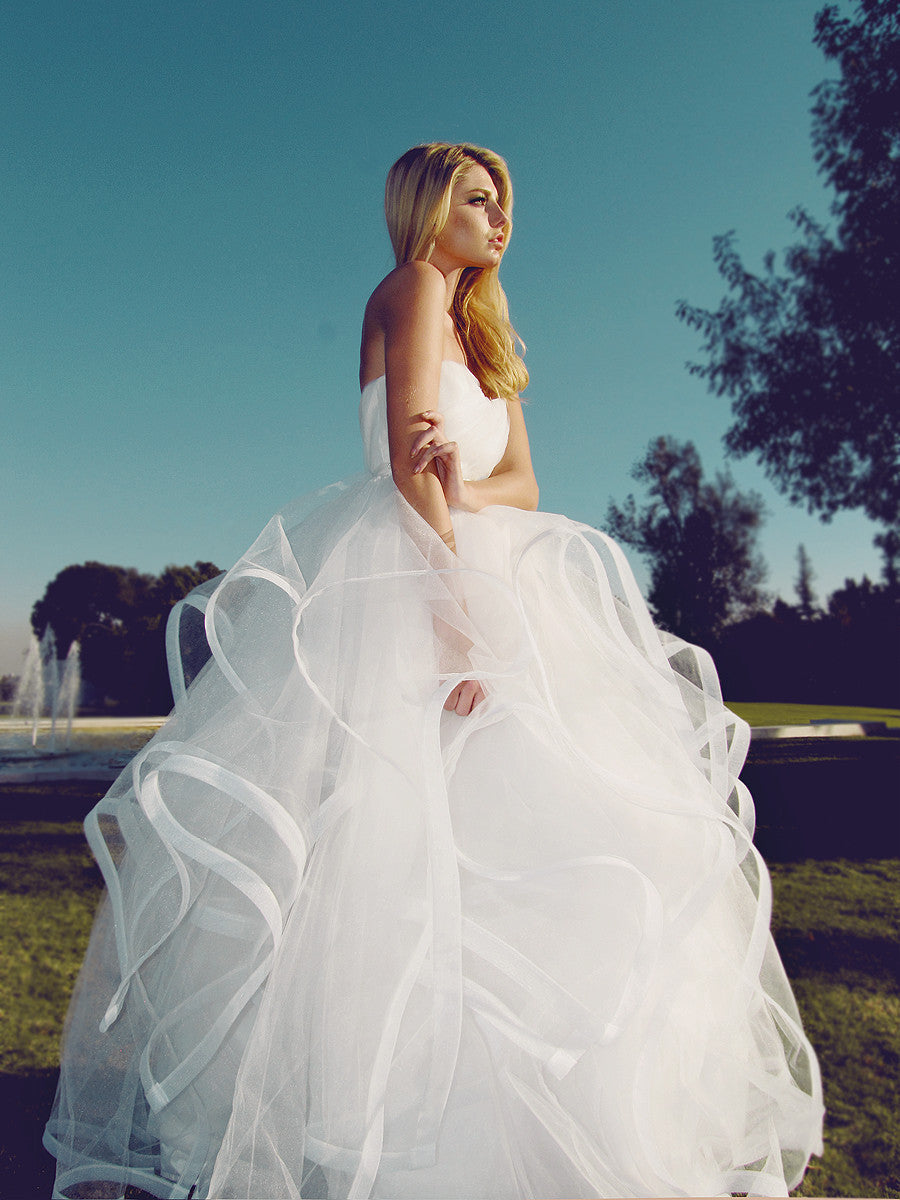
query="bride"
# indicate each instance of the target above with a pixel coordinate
(439, 881)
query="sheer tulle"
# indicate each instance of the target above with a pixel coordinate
(356, 946)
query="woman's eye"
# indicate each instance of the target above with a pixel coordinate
(479, 200)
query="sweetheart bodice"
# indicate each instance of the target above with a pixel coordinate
(480, 426)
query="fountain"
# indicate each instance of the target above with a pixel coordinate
(29, 698)
(37, 741)
(41, 689)
(69, 690)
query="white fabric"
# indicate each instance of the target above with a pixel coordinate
(355, 946)
(480, 426)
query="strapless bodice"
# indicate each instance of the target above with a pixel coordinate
(480, 426)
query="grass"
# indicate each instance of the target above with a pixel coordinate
(837, 924)
(122, 739)
(765, 712)
(49, 888)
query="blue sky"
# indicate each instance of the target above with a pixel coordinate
(193, 222)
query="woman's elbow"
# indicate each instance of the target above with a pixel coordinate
(532, 495)
(405, 481)
(422, 489)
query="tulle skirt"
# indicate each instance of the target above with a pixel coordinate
(356, 946)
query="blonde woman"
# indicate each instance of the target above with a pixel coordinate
(439, 882)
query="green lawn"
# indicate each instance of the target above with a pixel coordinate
(837, 924)
(50, 887)
(764, 712)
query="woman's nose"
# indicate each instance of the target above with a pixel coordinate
(498, 217)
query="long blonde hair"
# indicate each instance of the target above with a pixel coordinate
(417, 205)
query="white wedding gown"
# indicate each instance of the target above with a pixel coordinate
(357, 946)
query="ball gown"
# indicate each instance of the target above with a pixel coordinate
(354, 945)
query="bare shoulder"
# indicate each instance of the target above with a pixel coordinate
(407, 308)
(412, 284)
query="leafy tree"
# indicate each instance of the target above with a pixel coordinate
(88, 597)
(803, 585)
(861, 602)
(119, 617)
(175, 583)
(811, 358)
(889, 545)
(847, 655)
(699, 538)
(99, 605)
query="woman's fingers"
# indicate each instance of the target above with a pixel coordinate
(444, 450)
(431, 446)
(434, 432)
(465, 697)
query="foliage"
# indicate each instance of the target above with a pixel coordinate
(811, 358)
(889, 545)
(699, 538)
(119, 616)
(863, 602)
(847, 654)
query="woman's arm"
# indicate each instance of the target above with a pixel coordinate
(413, 316)
(511, 482)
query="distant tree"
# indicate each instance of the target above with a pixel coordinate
(865, 618)
(889, 545)
(699, 539)
(8, 685)
(88, 597)
(847, 655)
(175, 582)
(859, 601)
(99, 605)
(119, 616)
(803, 585)
(811, 358)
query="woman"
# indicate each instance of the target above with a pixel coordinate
(439, 880)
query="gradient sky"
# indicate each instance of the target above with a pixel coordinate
(192, 222)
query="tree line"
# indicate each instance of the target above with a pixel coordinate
(699, 539)
(119, 617)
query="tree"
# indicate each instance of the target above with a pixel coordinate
(889, 545)
(89, 596)
(699, 538)
(175, 583)
(811, 358)
(803, 585)
(119, 617)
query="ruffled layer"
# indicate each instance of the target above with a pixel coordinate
(357, 946)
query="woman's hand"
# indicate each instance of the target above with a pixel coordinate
(465, 697)
(432, 446)
(429, 446)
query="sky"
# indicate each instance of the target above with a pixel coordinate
(192, 223)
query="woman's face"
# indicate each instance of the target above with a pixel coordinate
(475, 233)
